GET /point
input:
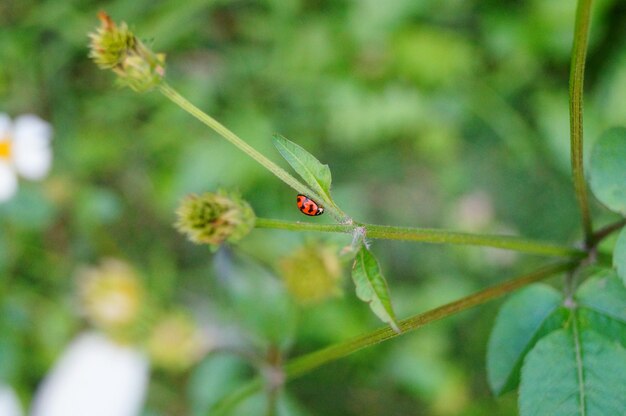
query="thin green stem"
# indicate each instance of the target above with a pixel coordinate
(229, 402)
(309, 362)
(429, 235)
(602, 233)
(577, 75)
(220, 129)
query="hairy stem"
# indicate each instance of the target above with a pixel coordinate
(309, 362)
(577, 75)
(429, 235)
(220, 129)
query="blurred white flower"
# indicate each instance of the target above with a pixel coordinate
(9, 403)
(94, 377)
(24, 151)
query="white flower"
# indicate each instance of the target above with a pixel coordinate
(94, 377)
(24, 151)
(9, 403)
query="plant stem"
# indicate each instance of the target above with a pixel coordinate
(309, 362)
(577, 74)
(604, 232)
(220, 129)
(429, 235)
(234, 398)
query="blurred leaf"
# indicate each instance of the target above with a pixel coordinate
(608, 170)
(359, 117)
(29, 209)
(10, 357)
(602, 301)
(619, 255)
(570, 374)
(316, 175)
(522, 320)
(257, 299)
(371, 286)
(215, 377)
(432, 56)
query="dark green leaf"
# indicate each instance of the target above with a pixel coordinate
(569, 375)
(522, 320)
(608, 169)
(602, 302)
(371, 286)
(316, 175)
(619, 255)
(610, 328)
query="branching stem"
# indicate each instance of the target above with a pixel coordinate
(220, 129)
(309, 362)
(429, 235)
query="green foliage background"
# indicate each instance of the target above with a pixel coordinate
(418, 106)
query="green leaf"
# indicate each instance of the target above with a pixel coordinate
(619, 255)
(316, 175)
(212, 379)
(522, 320)
(608, 169)
(573, 375)
(605, 294)
(602, 303)
(371, 286)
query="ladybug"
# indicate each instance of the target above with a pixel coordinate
(309, 207)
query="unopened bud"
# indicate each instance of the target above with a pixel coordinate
(115, 47)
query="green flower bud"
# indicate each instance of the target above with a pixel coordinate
(312, 274)
(213, 218)
(116, 47)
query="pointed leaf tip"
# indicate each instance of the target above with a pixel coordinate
(371, 287)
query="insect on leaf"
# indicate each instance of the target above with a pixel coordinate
(312, 171)
(371, 286)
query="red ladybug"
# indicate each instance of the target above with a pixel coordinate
(309, 207)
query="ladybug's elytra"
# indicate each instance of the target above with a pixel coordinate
(309, 207)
